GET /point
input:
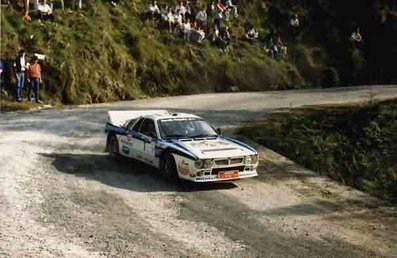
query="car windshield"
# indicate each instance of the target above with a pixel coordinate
(185, 128)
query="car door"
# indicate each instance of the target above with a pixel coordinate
(129, 144)
(149, 133)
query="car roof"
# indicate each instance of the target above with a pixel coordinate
(171, 116)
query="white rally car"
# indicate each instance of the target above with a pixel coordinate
(182, 146)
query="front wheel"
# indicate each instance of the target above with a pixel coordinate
(113, 147)
(169, 171)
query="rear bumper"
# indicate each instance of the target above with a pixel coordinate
(215, 178)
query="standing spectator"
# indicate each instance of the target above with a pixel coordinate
(189, 13)
(181, 9)
(220, 6)
(34, 77)
(20, 69)
(163, 13)
(273, 50)
(225, 38)
(281, 47)
(1, 74)
(218, 18)
(186, 29)
(178, 19)
(170, 20)
(231, 7)
(154, 10)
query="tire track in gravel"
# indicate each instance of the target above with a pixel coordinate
(240, 223)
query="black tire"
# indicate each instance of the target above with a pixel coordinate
(169, 171)
(113, 147)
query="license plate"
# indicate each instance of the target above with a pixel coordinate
(228, 174)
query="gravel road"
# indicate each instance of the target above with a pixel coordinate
(62, 196)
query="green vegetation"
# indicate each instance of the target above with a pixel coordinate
(105, 54)
(356, 145)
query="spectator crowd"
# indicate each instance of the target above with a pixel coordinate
(191, 22)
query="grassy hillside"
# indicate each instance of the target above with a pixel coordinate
(355, 145)
(104, 54)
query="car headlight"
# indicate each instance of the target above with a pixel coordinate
(207, 163)
(254, 159)
(248, 159)
(198, 163)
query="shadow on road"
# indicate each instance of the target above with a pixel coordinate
(124, 173)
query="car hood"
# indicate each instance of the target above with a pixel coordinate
(213, 148)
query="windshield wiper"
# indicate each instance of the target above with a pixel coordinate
(175, 136)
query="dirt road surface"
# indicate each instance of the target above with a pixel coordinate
(62, 196)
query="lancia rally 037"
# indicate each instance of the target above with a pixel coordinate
(181, 146)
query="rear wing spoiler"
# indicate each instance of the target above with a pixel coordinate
(119, 118)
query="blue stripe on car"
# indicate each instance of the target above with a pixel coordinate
(239, 143)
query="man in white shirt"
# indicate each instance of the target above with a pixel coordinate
(201, 17)
(20, 71)
(45, 10)
(154, 9)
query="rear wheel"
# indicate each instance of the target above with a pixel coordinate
(169, 171)
(113, 147)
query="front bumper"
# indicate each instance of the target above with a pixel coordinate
(215, 178)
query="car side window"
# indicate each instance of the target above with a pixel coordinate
(137, 126)
(148, 128)
(130, 124)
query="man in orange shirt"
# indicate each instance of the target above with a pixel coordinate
(34, 77)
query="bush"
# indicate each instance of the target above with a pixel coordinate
(354, 145)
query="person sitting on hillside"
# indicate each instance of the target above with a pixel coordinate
(45, 10)
(181, 9)
(224, 37)
(201, 17)
(294, 22)
(230, 7)
(251, 33)
(356, 36)
(282, 49)
(154, 10)
(197, 35)
(114, 3)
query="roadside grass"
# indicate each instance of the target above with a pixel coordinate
(106, 54)
(356, 145)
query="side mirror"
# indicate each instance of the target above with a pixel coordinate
(218, 130)
(153, 135)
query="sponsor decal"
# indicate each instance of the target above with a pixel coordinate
(126, 150)
(183, 168)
